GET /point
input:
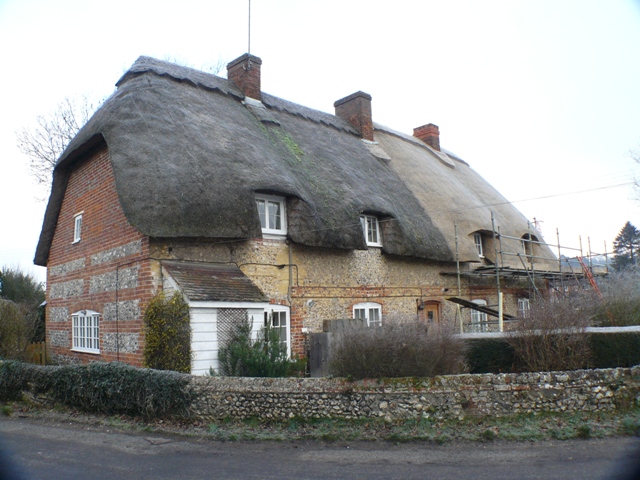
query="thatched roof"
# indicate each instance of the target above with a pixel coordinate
(188, 157)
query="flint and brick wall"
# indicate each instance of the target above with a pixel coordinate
(445, 397)
(109, 266)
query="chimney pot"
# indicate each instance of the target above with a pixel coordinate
(356, 109)
(429, 134)
(244, 72)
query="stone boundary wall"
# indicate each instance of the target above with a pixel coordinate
(444, 397)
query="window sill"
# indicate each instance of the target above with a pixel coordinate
(274, 236)
(86, 350)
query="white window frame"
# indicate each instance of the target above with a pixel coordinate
(369, 311)
(85, 331)
(276, 312)
(477, 240)
(270, 202)
(523, 307)
(371, 230)
(77, 227)
(479, 319)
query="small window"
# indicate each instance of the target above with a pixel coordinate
(86, 331)
(77, 228)
(272, 215)
(477, 239)
(478, 319)
(278, 316)
(369, 312)
(523, 307)
(371, 230)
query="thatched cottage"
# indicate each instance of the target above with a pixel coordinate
(253, 205)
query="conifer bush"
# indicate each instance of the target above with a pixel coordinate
(168, 334)
(263, 356)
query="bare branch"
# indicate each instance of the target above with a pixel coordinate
(44, 142)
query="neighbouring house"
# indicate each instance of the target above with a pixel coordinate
(251, 205)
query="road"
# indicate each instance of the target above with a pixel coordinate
(69, 451)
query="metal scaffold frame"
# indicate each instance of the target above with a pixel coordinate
(572, 269)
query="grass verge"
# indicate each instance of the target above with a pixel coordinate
(517, 428)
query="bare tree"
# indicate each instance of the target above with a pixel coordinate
(44, 142)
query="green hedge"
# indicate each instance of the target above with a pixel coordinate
(608, 350)
(490, 355)
(110, 388)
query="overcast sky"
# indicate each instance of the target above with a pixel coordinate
(542, 98)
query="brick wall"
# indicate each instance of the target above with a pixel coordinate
(107, 271)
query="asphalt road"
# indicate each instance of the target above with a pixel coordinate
(72, 451)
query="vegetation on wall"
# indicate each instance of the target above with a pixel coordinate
(167, 334)
(396, 349)
(263, 356)
(21, 313)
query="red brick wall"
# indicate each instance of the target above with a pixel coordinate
(91, 190)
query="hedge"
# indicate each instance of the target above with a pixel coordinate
(110, 388)
(608, 350)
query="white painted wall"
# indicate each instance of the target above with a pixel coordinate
(204, 338)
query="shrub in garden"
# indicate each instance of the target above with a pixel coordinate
(620, 304)
(167, 331)
(263, 356)
(553, 335)
(18, 327)
(396, 349)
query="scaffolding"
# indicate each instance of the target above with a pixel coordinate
(572, 267)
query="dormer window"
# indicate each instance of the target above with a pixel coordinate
(77, 227)
(371, 230)
(477, 239)
(528, 242)
(271, 211)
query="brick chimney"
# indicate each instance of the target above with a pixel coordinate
(356, 109)
(244, 71)
(429, 134)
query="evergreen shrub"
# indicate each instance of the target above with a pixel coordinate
(611, 350)
(263, 356)
(110, 388)
(167, 331)
(490, 355)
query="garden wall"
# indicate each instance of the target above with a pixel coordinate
(454, 396)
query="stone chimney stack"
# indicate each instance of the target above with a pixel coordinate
(356, 109)
(429, 134)
(244, 71)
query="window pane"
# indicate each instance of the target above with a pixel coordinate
(372, 225)
(374, 316)
(261, 213)
(359, 314)
(274, 216)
